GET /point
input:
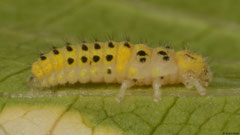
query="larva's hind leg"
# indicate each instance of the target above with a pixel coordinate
(156, 87)
(125, 84)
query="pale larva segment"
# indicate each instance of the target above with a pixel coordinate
(71, 63)
(61, 74)
(164, 65)
(84, 63)
(109, 61)
(123, 57)
(57, 61)
(140, 61)
(45, 63)
(96, 68)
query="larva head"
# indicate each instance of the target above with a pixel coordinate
(193, 65)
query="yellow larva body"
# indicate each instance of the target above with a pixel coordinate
(121, 62)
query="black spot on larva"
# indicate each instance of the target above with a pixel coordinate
(126, 44)
(97, 46)
(42, 57)
(84, 59)
(84, 47)
(141, 53)
(110, 45)
(55, 51)
(96, 58)
(162, 53)
(162, 77)
(166, 58)
(109, 71)
(109, 57)
(190, 56)
(69, 48)
(142, 60)
(70, 61)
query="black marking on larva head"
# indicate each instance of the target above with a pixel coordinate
(109, 57)
(190, 56)
(97, 46)
(162, 53)
(166, 58)
(96, 58)
(42, 57)
(142, 60)
(126, 44)
(162, 77)
(70, 61)
(84, 59)
(141, 53)
(109, 71)
(110, 45)
(84, 47)
(69, 48)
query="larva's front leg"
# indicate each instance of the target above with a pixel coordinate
(125, 84)
(193, 82)
(156, 87)
(201, 90)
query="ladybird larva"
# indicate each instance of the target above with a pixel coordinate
(121, 62)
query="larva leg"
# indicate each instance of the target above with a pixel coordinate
(201, 90)
(156, 87)
(125, 84)
(195, 83)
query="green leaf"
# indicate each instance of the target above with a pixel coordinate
(210, 28)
